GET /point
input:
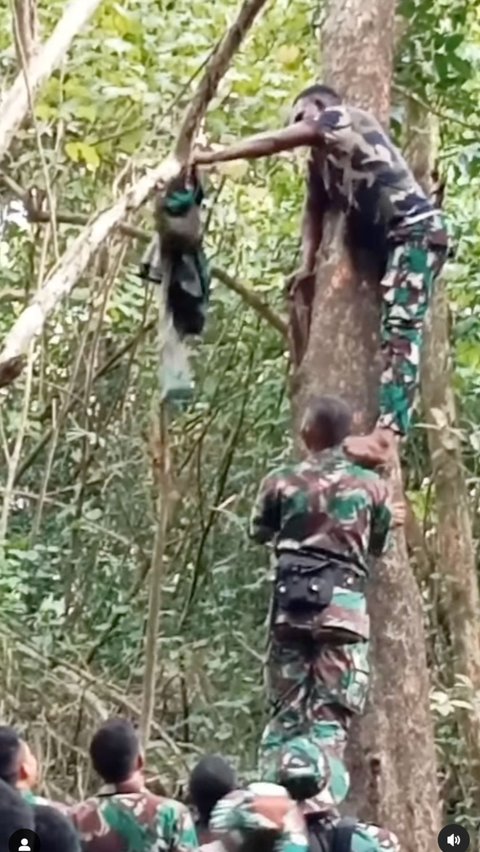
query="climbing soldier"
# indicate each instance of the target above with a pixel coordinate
(324, 516)
(355, 167)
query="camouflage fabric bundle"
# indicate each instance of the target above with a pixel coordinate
(176, 260)
(262, 808)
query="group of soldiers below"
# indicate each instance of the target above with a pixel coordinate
(324, 518)
(218, 815)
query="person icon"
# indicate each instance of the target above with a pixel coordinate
(24, 845)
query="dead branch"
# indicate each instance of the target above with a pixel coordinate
(244, 291)
(15, 104)
(214, 71)
(253, 300)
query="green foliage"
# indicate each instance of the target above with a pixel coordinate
(74, 573)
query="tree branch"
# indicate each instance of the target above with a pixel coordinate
(25, 27)
(75, 260)
(246, 293)
(252, 299)
(15, 104)
(215, 70)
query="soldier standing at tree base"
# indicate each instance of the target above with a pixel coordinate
(324, 516)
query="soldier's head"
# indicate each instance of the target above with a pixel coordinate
(310, 103)
(211, 779)
(18, 766)
(301, 768)
(115, 752)
(326, 423)
(15, 813)
(55, 832)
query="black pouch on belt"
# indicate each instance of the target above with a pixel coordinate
(305, 585)
(301, 587)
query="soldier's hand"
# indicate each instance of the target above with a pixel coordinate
(297, 279)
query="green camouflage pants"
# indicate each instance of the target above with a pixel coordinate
(316, 683)
(415, 260)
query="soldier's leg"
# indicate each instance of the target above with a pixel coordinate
(406, 293)
(338, 691)
(413, 266)
(287, 677)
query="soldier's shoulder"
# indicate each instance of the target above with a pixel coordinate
(164, 803)
(285, 472)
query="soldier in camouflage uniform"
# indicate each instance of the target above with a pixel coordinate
(263, 817)
(125, 816)
(247, 816)
(324, 516)
(299, 761)
(355, 167)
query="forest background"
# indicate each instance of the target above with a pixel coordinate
(78, 517)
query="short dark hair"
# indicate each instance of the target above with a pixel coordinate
(55, 832)
(15, 813)
(114, 750)
(326, 94)
(10, 746)
(330, 418)
(211, 779)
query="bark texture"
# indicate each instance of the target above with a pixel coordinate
(455, 547)
(392, 755)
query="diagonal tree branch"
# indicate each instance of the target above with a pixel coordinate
(15, 104)
(75, 260)
(248, 294)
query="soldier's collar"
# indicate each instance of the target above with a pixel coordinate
(125, 788)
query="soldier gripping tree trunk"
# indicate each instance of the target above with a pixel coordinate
(325, 516)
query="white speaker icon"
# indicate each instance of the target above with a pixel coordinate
(453, 840)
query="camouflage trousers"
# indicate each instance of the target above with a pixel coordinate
(415, 260)
(316, 683)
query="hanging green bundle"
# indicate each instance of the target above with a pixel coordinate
(175, 259)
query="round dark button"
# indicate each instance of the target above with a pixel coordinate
(454, 837)
(24, 840)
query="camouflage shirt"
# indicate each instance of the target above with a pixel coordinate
(133, 822)
(327, 502)
(361, 168)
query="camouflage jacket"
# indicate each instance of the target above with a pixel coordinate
(133, 822)
(327, 502)
(359, 167)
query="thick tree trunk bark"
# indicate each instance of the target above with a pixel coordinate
(455, 548)
(392, 750)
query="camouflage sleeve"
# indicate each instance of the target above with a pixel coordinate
(381, 522)
(335, 128)
(183, 835)
(371, 838)
(265, 517)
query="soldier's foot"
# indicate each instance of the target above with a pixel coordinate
(378, 449)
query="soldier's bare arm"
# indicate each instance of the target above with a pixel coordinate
(302, 134)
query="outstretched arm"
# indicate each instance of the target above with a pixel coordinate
(299, 135)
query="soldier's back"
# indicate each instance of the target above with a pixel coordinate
(133, 822)
(327, 502)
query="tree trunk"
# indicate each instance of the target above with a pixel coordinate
(455, 548)
(392, 754)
